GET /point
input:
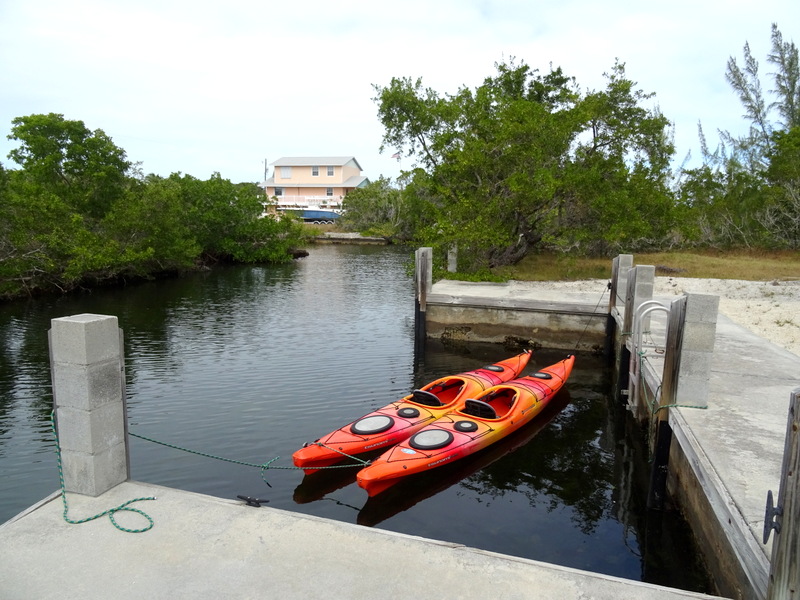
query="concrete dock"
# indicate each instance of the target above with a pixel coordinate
(724, 458)
(205, 547)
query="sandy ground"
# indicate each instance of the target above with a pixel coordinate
(768, 308)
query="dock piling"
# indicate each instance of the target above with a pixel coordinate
(88, 396)
(785, 564)
(691, 333)
(423, 282)
(619, 280)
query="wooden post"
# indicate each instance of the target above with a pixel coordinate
(423, 282)
(639, 288)
(691, 334)
(784, 577)
(661, 441)
(619, 278)
(672, 353)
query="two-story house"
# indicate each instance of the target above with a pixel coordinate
(313, 183)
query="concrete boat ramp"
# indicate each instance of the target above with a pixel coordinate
(207, 547)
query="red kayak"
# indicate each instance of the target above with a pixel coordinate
(482, 421)
(401, 419)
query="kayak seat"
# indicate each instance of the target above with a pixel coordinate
(479, 409)
(425, 398)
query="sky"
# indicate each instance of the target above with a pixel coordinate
(199, 87)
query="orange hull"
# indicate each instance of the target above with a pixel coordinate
(399, 420)
(482, 421)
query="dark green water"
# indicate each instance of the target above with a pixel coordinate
(248, 363)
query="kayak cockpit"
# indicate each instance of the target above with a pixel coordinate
(439, 394)
(494, 405)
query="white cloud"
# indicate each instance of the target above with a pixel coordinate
(199, 87)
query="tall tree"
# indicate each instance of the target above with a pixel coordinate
(784, 56)
(750, 151)
(736, 197)
(85, 168)
(504, 168)
(486, 158)
(746, 83)
(782, 213)
(616, 187)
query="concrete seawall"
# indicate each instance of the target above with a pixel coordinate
(335, 237)
(492, 312)
(727, 425)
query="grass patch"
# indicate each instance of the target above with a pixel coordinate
(750, 266)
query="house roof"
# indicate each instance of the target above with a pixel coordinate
(352, 182)
(308, 161)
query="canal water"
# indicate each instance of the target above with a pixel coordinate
(248, 363)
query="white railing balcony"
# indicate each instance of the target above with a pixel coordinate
(310, 201)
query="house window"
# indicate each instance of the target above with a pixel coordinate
(279, 191)
(315, 171)
(329, 191)
(286, 172)
(330, 170)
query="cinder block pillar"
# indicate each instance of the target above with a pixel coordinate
(691, 335)
(88, 391)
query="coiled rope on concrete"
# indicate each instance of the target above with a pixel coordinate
(125, 506)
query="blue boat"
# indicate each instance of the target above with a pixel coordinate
(319, 216)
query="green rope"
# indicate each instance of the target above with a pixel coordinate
(262, 466)
(593, 315)
(679, 406)
(654, 406)
(125, 506)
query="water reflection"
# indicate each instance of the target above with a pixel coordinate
(249, 363)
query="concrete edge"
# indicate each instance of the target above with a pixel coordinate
(569, 573)
(573, 572)
(30, 509)
(750, 553)
(516, 304)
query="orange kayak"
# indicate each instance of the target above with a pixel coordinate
(399, 420)
(482, 421)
